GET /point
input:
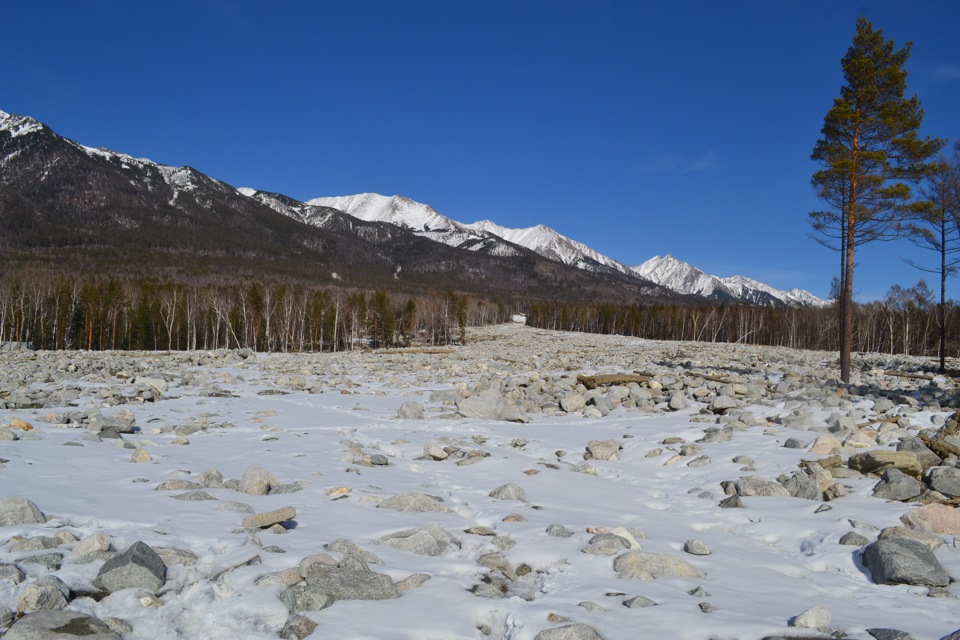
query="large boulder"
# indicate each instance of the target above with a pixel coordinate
(351, 580)
(257, 481)
(430, 540)
(904, 561)
(896, 485)
(641, 565)
(16, 511)
(137, 567)
(946, 480)
(877, 461)
(935, 518)
(59, 625)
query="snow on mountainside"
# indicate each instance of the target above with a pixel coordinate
(685, 278)
(551, 244)
(419, 218)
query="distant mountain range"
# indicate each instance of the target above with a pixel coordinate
(666, 271)
(67, 206)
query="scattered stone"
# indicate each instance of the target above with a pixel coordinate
(935, 518)
(638, 602)
(569, 632)
(854, 539)
(141, 455)
(592, 607)
(16, 511)
(603, 450)
(257, 481)
(509, 491)
(412, 581)
(890, 634)
(264, 520)
(410, 411)
(816, 617)
(930, 540)
(59, 625)
(559, 531)
(733, 502)
(641, 565)
(194, 496)
(413, 501)
(946, 480)
(896, 485)
(904, 561)
(707, 607)
(696, 547)
(757, 486)
(304, 597)
(430, 540)
(139, 566)
(606, 544)
(179, 484)
(351, 579)
(877, 461)
(297, 627)
(47, 593)
(347, 548)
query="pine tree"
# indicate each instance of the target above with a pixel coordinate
(870, 152)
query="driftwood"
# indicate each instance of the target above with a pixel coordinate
(609, 379)
(712, 378)
(894, 419)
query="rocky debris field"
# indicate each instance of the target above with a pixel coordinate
(529, 485)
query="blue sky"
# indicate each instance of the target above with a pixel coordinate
(638, 128)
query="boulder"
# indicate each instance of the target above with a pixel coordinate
(59, 625)
(935, 518)
(606, 544)
(47, 593)
(896, 485)
(430, 540)
(757, 486)
(509, 491)
(410, 411)
(257, 481)
(264, 520)
(16, 511)
(413, 501)
(569, 632)
(904, 561)
(641, 565)
(813, 618)
(302, 597)
(946, 480)
(874, 461)
(930, 540)
(351, 581)
(603, 450)
(139, 566)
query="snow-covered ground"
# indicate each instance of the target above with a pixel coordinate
(317, 419)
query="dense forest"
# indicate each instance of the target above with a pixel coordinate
(56, 311)
(905, 321)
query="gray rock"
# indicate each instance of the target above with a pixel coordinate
(603, 449)
(264, 520)
(904, 561)
(212, 478)
(347, 548)
(559, 531)
(641, 565)
(930, 540)
(410, 411)
(733, 502)
(16, 511)
(257, 481)
(794, 443)
(592, 607)
(47, 593)
(722, 404)
(815, 617)
(413, 501)
(237, 507)
(489, 404)
(925, 456)
(896, 485)
(509, 491)
(179, 484)
(678, 401)
(696, 547)
(638, 602)
(606, 544)
(854, 539)
(379, 460)
(412, 581)
(297, 627)
(59, 625)
(757, 486)
(139, 566)
(430, 540)
(890, 634)
(303, 597)
(194, 496)
(800, 485)
(350, 581)
(12, 573)
(569, 632)
(573, 402)
(707, 607)
(946, 480)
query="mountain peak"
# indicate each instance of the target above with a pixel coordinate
(19, 125)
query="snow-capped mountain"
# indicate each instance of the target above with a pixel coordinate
(553, 245)
(485, 235)
(685, 278)
(421, 219)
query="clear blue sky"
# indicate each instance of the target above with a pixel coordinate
(639, 128)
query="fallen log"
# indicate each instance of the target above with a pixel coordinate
(610, 379)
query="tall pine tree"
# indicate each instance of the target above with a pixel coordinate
(870, 153)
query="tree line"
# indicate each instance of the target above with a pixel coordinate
(57, 311)
(907, 320)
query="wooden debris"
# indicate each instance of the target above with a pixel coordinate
(610, 379)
